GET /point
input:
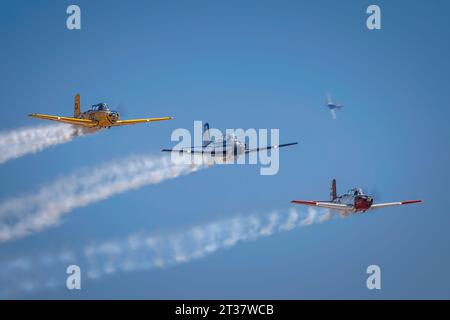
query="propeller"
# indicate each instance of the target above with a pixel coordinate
(122, 110)
(373, 192)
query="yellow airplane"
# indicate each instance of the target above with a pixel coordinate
(98, 117)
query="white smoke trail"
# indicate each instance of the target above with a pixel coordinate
(142, 251)
(33, 212)
(19, 142)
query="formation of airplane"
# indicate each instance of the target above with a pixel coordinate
(224, 149)
(97, 117)
(333, 106)
(353, 201)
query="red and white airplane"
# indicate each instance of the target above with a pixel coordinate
(353, 201)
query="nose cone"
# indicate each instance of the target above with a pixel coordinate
(114, 116)
(362, 203)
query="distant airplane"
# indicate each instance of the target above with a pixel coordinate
(352, 202)
(333, 106)
(225, 148)
(98, 117)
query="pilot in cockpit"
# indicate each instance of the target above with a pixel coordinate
(102, 107)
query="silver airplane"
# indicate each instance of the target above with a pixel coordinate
(333, 106)
(353, 201)
(225, 149)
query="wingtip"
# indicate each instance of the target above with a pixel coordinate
(411, 201)
(291, 144)
(305, 202)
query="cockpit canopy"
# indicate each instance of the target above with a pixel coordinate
(355, 192)
(229, 138)
(100, 107)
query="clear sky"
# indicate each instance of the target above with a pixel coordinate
(245, 64)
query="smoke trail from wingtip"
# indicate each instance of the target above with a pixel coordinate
(36, 211)
(146, 251)
(19, 142)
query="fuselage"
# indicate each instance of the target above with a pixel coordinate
(225, 149)
(356, 200)
(333, 106)
(100, 113)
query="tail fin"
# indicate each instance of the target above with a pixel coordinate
(206, 136)
(76, 109)
(333, 194)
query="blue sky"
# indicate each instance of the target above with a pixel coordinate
(245, 64)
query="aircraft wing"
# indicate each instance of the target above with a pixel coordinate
(324, 204)
(329, 101)
(184, 151)
(391, 204)
(333, 113)
(271, 147)
(135, 121)
(76, 121)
